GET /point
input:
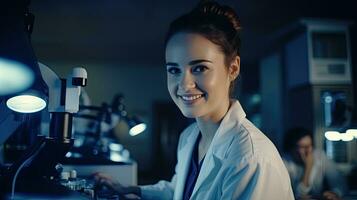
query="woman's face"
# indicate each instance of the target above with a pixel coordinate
(197, 77)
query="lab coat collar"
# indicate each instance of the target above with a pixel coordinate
(219, 146)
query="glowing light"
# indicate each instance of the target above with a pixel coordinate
(328, 99)
(137, 129)
(332, 135)
(26, 104)
(346, 137)
(73, 155)
(68, 154)
(116, 157)
(352, 132)
(256, 98)
(14, 77)
(115, 147)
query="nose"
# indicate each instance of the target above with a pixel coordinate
(187, 81)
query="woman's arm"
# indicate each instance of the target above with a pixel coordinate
(161, 190)
(104, 180)
(334, 178)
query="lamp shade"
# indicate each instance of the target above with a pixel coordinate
(18, 64)
(136, 126)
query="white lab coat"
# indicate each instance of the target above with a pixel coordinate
(241, 163)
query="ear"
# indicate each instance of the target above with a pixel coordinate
(234, 68)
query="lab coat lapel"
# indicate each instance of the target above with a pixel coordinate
(184, 155)
(208, 165)
(220, 144)
(213, 159)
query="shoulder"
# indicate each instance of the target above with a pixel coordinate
(247, 149)
(250, 142)
(250, 147)
(289, 162)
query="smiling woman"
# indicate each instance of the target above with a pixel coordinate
(197, 78)
(222, 155)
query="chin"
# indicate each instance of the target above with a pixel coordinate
(189, 114)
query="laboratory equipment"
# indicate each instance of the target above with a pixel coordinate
(38, 163)
(96, 148)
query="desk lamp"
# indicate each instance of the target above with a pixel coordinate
(19, 71)
(109, 115)
(63, 98)
(136, 126)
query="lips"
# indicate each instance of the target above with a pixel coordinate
(191, 98)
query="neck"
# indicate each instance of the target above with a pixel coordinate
(207, 129)
(209, 125)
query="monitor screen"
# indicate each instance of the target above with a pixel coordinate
(329, 45)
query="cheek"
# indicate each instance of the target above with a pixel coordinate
(217, 83)
(210, 81)
(310, 149)
(168, 83)
(171, 86)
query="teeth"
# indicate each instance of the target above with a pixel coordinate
(190, 98)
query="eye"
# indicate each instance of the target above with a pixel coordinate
(173, 70)
(199, 68)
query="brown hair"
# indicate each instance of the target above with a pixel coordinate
(219, 24)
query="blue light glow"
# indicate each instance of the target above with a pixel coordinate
(14, 77)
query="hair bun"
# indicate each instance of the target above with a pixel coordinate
(219, 24)
(213, 8)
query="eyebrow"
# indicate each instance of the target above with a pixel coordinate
(172, 64)
(194, 62)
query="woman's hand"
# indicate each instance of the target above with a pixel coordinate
(305, 197)
(329, 195)
(104, 180)
(308, 159)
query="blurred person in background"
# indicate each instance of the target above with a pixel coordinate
(312, 174)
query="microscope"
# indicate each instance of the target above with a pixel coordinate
(38, 172)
